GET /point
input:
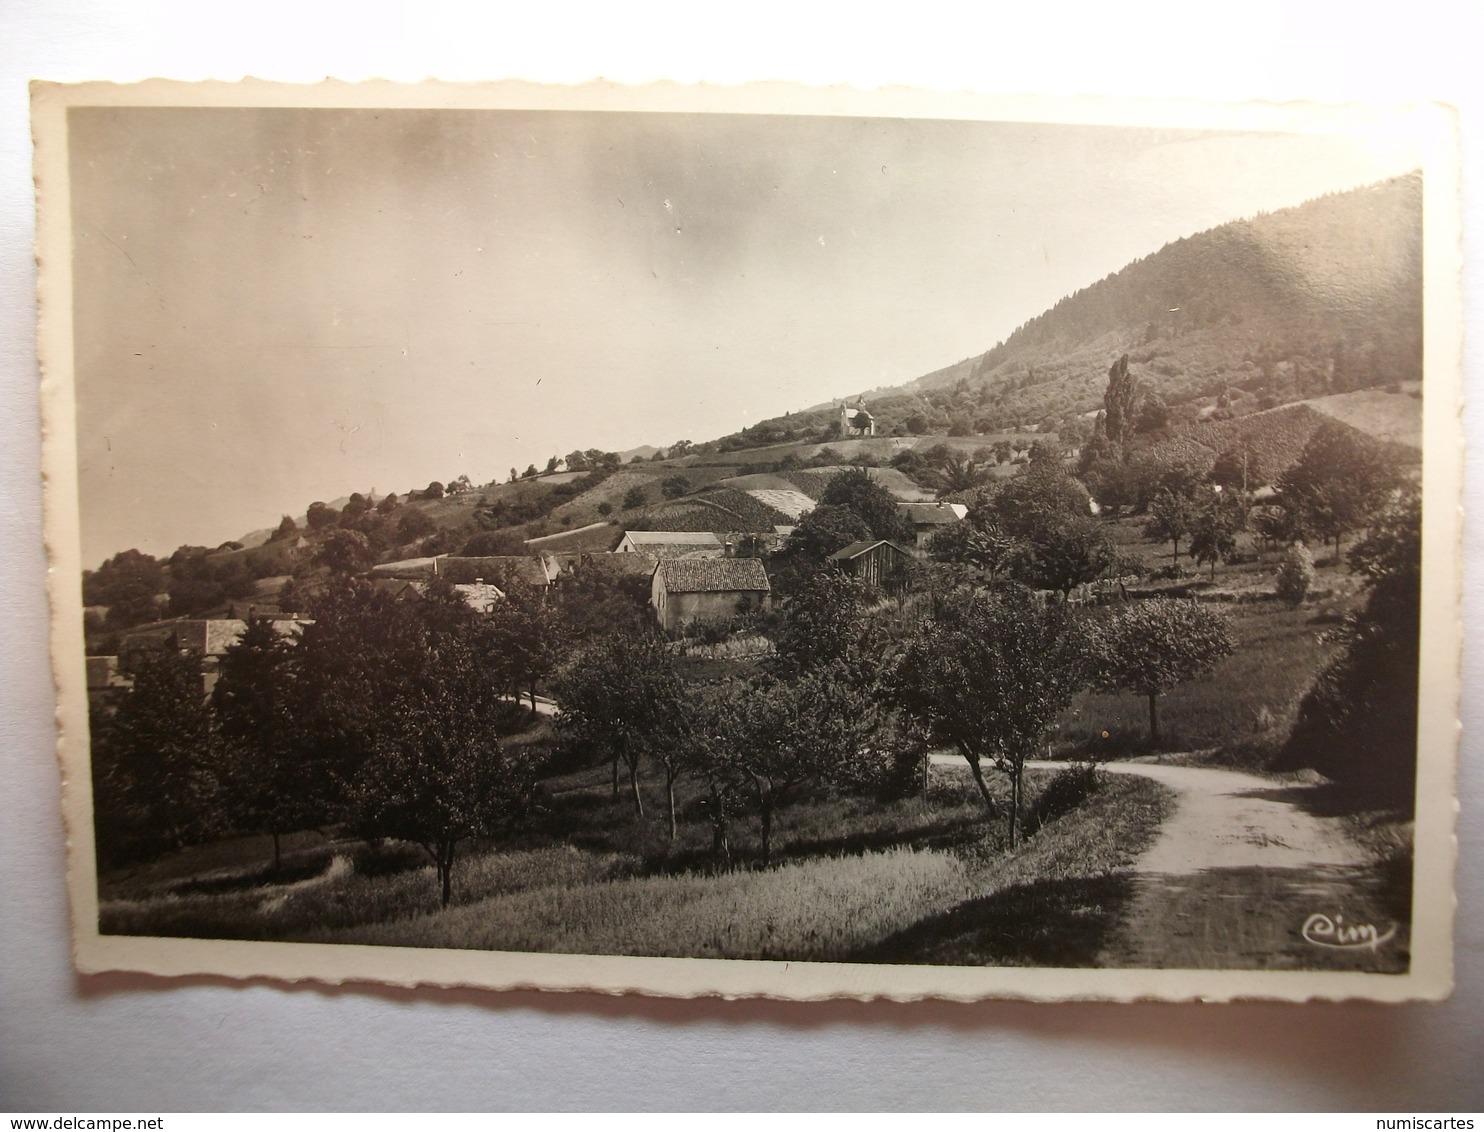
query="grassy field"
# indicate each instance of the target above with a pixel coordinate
(851, 877)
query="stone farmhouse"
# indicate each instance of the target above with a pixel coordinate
(694, 589)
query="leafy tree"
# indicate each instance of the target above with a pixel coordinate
(155, 766)
(1170, 518)
(1239, 468)
(1213, 531)
(388, 503)
(1153, 414)
(127, 584)
(1295, 574)
(1358, 724)
(825, 530)
(636, 496)
(605, 509)
(988, 674)
(434, 491)
(530, 472)
(1150, 646)
(522, 640)
(1339, 481)
(674, 487)
(618, 695)
(958, 474)
(1121, 401)
(286, 528)
(347, 552)
(678, 449)
(1064, 554)
(414, 524)
(269, 782)
(1112, 483)
(782, 735)
(320, 515)
(979, 543)
(880, 509)
(436, 775)
(819, 623)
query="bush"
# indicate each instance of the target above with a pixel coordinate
(1295, 574)
(1064, 793)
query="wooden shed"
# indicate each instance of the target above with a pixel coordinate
(877, 562)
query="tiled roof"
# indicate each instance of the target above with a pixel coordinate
(673, 538)
(924, 514)
(713, 575)
(406, 568)
(630, 564)
(495, 568)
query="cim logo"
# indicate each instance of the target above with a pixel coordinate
(1322, 931)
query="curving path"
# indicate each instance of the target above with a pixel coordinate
(1236, 872)
(1227, 819)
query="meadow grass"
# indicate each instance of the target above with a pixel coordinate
(853, 872)
(358, 892)
(1250, 697)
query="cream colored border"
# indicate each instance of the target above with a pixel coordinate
(1432, 128)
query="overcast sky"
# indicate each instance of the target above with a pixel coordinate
(278, 306)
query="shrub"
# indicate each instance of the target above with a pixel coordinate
(1064, 793)
(1295, 574)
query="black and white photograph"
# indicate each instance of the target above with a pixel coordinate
(879, 548)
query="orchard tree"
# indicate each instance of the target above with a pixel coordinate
(414, 524)
(785, 734)
(436, 775)
(1213, 531)
(617, 696)
(1150, 646)
(270, 783)
(988, 674)
(1338, 483)
(1064, 554)
(522, 639)
(818, 624)
(155, 767)
(1170, 516)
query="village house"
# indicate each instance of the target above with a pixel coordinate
(695, 589)
(207, 639)
(479, 595)
(671, 544)
(928, 519)
(877, 562)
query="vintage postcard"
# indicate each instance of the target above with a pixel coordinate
(759, 541)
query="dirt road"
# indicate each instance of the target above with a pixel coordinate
(1230, 820)
(1249, 872)
(1244, 874)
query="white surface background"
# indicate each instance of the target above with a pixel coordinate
(123, 1043)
